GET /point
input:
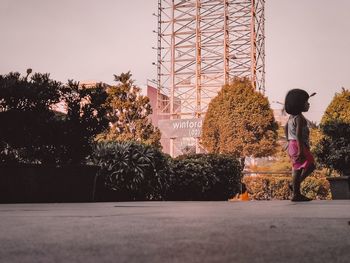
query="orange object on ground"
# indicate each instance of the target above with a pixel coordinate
(244, 196)
(241, 197)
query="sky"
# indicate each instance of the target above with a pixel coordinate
(307, 43)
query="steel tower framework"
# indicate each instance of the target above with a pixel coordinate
(202, 44)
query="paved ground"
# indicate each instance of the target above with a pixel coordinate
(265, 231)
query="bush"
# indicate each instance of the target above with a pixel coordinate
(333, 151)
(316, 188)
(203, 177)
(134, 171)
(141, 172)
(277, 187)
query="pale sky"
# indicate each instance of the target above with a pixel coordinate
(307, 43)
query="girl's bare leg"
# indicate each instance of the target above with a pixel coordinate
(296, 182)
(297, 179)
(306, 172)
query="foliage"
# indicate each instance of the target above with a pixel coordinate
(25, 116)
(135, 171)
(240, 122)
(339, 108)
(129, 114)
(316, 136)
(204, 177)
(316, 188)
(141, 172)
(277, 187)
(85, 118)
(33, 132)
(333, 151)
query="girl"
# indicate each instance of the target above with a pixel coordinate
(297, 134)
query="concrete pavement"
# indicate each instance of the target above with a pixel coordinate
(255, 231)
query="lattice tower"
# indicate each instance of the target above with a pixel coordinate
(202, 44)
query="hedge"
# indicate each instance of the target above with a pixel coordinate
(262, 187)
(133, 171)
(204, 177)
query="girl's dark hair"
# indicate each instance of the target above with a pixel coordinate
(295, 101)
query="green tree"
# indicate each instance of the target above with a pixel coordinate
(240, 122)
(129, 114)
(339, 108)
(32, 131)
(25, 116)
(86, 117)
(333, 146)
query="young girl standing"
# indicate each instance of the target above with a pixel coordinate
(297, 134)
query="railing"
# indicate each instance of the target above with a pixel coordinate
(266, 172)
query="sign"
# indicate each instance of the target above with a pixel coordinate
(181, 128)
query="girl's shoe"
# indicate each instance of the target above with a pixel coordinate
(300, 198)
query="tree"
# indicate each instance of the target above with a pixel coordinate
(85, 118)
(25, 115)
(333, 148)
(240, 122)
(32, 131)
(128, 114)
(338, 109)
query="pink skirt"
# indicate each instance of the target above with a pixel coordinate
(293, 151)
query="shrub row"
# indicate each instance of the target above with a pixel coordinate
(129, 171)
(277, 187)
(141, 172)
(133, 171)
(203, 177)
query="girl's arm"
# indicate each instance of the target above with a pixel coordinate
(299, 129)
(286, 134)
(286, 131)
